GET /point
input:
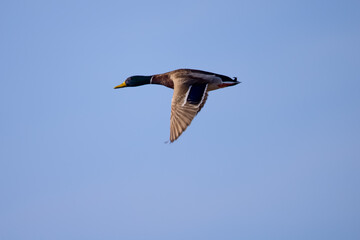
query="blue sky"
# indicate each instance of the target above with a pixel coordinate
(276, 157)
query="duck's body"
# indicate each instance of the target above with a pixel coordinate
(191, 76)
(190, 93)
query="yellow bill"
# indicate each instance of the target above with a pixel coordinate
(121, 85)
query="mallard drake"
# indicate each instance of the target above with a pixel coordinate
(191, 89)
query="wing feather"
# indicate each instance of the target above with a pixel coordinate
(183, 112)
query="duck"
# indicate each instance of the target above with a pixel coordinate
(191, 89)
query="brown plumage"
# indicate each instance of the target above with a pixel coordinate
(191, 89)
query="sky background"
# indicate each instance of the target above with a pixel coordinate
(275, 157)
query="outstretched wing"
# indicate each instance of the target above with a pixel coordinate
(187, 101)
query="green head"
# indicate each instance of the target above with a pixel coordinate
(135, 81)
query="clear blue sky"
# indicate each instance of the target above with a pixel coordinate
(276, 157)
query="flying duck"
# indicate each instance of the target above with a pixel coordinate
(191, 89)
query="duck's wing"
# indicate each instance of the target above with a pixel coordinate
(187, 101)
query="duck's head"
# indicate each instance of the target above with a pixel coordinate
(135, 81)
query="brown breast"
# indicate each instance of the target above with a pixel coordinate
(163, 79)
